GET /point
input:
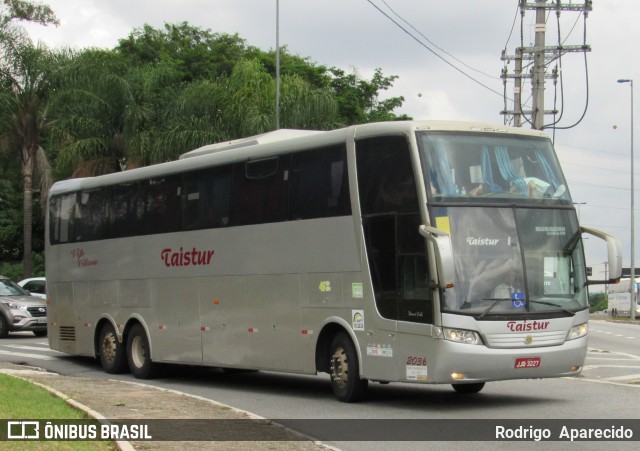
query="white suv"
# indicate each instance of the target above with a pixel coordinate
(20, 311)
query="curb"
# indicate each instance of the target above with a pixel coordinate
(120, 444)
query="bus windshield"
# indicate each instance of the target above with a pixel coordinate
(471, 166)
(515, 254)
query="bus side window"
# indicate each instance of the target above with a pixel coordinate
(260, 191)
(159, 207)
(390, 219)
(207, 196)
(61, 219)
(320, 187)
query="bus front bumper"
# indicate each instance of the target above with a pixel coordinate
(464, 363)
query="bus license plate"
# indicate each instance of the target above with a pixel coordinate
(528, 362)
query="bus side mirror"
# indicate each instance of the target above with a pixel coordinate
(614, 250)
(444, 255)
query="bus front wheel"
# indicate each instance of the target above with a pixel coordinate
(344, 370)
(468, 388)
(111, 351)
(138, 353)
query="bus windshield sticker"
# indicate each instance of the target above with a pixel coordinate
(357, 290)
(442, 223)
(357, 319)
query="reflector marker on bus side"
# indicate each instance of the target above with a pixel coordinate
(252, 330)
(87, 325)
(306, 332)
(204, 328)
(162, 327)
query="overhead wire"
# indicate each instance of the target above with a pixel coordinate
(449, 63)
(558, 70)
(434, 44)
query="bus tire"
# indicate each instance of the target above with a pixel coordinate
(344, 370)
(138, 354)
(468, 388)
(111, 351)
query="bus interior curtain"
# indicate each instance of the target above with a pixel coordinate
(551, 177)
(445, 170)
(506, 169)
(487, 172)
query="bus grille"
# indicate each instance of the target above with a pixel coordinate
(530, 340)
(67, 333)
(37, 312)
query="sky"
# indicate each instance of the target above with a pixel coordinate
(355, 35)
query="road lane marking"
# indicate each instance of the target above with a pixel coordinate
(27, 355)
(621, 378)
(29, 348)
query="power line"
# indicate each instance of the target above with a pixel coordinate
(435, 45)
(433, 51)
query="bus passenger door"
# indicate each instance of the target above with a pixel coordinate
(391, 219)
(396, 254)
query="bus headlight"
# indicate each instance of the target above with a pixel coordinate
(461, 336)
(578, 331)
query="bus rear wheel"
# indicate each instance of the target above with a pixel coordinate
(344, 370)
(468, 388)
(139, 354)
(111, 351)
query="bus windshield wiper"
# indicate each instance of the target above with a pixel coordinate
(559, 307)
(488, 309)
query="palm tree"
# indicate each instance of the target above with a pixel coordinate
(23, 107)
(24, 79)
(90, 108)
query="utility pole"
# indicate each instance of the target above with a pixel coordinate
(537, 120)
(277, 64)
(540, 55)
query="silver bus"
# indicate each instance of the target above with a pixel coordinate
(418, 252)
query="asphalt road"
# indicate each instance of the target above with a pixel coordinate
(609, 389)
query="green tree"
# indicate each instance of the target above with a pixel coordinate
(13, 11)
(359, 99)
(106, 112)
(598, 302)
(10, 221)
(201, 54)
(196, 53)
(24, 70)
(239, 105)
